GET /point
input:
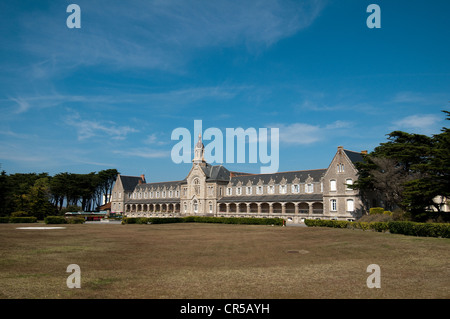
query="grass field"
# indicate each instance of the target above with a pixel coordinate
(219, 261)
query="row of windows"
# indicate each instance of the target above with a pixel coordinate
(157, 194)
(334, 205)
(348, 183)
(240, 190)
(195, 206)
(270, 189)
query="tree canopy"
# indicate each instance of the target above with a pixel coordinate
(41, 195)
(410, 171)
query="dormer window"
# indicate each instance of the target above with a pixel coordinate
(259, 190)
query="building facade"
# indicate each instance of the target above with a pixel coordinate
(213, 190)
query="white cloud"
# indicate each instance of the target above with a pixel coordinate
(143, 152)
(22, 105)
(158, 34)
(91, 128)
(419, 123)
(304, 134)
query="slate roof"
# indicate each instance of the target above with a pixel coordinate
(216, 173)
(167, 185)
(130, 182)
(354, 156)
(316, 174)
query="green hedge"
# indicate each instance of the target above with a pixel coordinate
(420, 229)
(76, 220)
(55, 220)
(200, 219)
(394, 227)
(23, 219)
(4, 220)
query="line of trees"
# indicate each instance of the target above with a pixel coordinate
(41, 195)
(409, 171)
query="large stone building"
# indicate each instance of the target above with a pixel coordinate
(211, 190)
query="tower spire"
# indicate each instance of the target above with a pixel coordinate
(199, 151)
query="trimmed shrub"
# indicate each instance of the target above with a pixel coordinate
(420, 229)
(376, 210)
(55, 220)
(76, 220)
(328, 223)
(19, 213)
(395, 227)
(4, 220)
(202, 219)
(379, 226)
(31, 219)
(376, 218)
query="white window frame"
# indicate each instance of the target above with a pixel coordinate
(259, 190)
(348, 182)
(195, 206)
(248, 190)
(333, 205)
(333, 185)
(350, 208)
(309, 188)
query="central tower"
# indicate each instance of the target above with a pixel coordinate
(199, 152)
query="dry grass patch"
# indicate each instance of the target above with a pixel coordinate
(219, 261)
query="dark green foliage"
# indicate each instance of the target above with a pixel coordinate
(4, 220)
(55, 220)
(200, 219)
(23, 219)
(76, 220)
(409, 171)
(41, 195)
(420, 229)
(376, 210)
(395, 227)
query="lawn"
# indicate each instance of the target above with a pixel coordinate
(198, 261)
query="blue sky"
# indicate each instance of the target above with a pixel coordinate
(109, 95)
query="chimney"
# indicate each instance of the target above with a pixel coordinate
(142, 179)
(364, 152)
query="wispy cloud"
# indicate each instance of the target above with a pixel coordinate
(143, 152)
(419, 123)
(304, 134)
(420, 98)
(22, 105)
(87, 129)
(158, 34)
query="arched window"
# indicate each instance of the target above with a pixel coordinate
(197, 186)
(195, 206)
